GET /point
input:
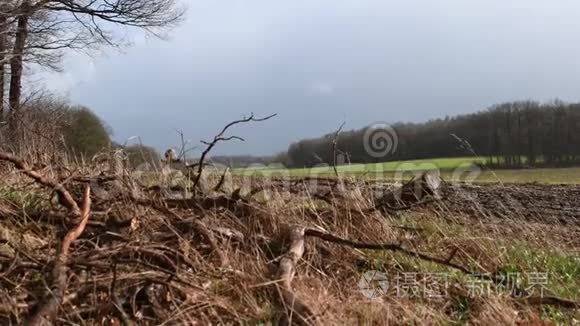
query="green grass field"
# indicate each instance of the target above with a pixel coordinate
(452, 169)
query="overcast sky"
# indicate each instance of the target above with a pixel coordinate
(320, 62)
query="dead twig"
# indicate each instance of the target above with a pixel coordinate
(183, 150)
(334, 148)
(327, 195)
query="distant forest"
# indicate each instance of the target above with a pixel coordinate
(523, 133)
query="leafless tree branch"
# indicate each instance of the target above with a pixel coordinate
(220, 137)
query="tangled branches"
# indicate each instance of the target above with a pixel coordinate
(207, 259)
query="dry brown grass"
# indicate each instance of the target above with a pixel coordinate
(142, 262)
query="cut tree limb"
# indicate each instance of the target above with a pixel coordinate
(297, 311)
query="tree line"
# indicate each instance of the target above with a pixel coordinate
(514, 134)
(53, 125)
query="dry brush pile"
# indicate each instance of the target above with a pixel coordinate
(81, 245)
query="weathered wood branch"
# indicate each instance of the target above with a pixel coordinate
(47, 309)
(297, 312)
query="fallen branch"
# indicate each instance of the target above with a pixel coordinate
(64, 197)
(297, 311)
(47, 309)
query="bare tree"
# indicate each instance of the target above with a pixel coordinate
(16, 64)
(4, 12)
(42, 29)
(6, 19)
(50, 35)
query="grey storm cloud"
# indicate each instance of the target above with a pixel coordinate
(318, 62)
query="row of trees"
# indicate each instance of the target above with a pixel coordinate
(52, 125)
(509, 134)
(38, 32)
